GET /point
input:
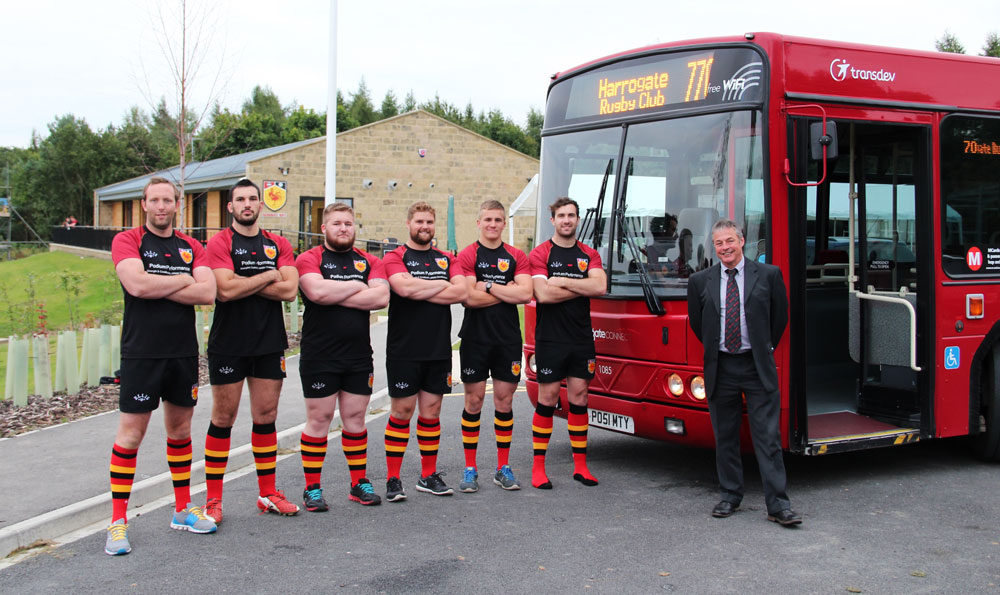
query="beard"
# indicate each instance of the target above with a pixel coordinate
(246, 218)
(167, 223)
(339, 243)
(421, 238)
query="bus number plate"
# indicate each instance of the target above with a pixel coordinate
(612, 421)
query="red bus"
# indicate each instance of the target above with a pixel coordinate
(869, 175)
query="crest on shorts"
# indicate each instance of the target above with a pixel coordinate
(360, 265)
(194, 392)
(186, 255)
(503, 264)
(582, 264)
(282, 363)
(442, 262)
(371, 379)
(591, 366)
(449, 379)
(515, 368)
(270, 251)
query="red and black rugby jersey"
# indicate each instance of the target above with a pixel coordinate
(497, 324)
(337, 332)
(253, 325)
(569, 321)
(157, 328)
(419, 330)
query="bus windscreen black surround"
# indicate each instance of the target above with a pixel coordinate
(658, 83)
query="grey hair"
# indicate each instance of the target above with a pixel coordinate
(722, 224)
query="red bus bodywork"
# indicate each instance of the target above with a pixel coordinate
(637, 351)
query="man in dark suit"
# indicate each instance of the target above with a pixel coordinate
(738, 309)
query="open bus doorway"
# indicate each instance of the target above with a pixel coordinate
(858, 383)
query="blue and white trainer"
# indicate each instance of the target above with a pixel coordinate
(470, 481)
(505, 478)
(194, 520)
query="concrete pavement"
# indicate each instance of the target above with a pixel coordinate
(56, 479)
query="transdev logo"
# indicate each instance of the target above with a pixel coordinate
(841, 70)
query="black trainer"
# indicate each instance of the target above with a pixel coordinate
(433, 484)
(363, 493)
(393, 490)
(313, 500)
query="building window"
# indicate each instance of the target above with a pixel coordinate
(127, 213)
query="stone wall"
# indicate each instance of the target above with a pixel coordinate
(428, 158)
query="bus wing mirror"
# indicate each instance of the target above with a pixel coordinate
(819, 139)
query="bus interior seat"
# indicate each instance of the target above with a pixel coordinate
(699, 221)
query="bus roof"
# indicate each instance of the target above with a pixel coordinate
(821, 68)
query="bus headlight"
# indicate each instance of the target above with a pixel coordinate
(531, 363)
(698, 388)
(675, 385)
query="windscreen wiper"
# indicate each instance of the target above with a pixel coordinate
(653, 303)
(594, 214)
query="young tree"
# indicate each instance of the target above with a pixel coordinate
(410, 102)
(361, 108)
(183, 32)
(949, 43)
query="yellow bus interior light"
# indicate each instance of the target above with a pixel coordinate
(675, 384)
(698, 388)
(974, 306)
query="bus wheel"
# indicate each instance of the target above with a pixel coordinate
(987, 444)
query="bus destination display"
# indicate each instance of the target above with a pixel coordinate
(658, 83)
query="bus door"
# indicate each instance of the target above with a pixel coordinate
(860, 315)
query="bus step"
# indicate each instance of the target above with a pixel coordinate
(832, 445)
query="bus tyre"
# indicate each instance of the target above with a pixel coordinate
(987, 443)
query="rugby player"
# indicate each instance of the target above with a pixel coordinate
(164, 274)
(424, 283)
(255, 272)
(340, 285)
(566, 274)
(498, 280)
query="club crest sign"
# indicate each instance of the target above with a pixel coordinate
(275, 194)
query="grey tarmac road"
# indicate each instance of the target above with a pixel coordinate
(923, 518)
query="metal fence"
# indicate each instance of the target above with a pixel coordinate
(99, 238)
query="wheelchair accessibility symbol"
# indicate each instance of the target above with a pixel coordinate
(952, 358)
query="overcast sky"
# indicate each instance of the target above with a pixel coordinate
(88, 58)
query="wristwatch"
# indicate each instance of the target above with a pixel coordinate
(489, 286)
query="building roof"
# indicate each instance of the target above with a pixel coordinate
(199, 175)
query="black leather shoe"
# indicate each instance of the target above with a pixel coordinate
(724, 509)
(785, 518)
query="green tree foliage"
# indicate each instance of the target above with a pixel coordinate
(390, 107)
(992, 46)
(949, 43)
(410, 102)
(362, 110)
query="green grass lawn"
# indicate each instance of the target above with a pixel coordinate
(39, 279)
(99, 294)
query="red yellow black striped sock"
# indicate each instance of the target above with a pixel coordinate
(541, 432)
(503, 426)
(216, 458)
(179, 460)
(470, 436)
(577, 422)
(355, 448)
(428, 437)
(397, 436)
(313, 454)
(264, 442)
(122, 476)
